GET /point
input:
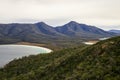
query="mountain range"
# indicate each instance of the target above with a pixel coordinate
(41, 32)
(74, 29)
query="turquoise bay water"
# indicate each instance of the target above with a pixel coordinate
(10, 52)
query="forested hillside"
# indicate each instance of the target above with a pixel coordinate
(97, 62)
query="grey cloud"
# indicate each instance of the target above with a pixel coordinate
(56, 12)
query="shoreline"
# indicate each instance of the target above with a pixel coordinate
(29, 45)
(35, 44)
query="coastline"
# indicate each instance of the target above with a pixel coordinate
(30, 45)
(36, 44)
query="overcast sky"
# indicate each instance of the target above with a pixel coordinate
(102, 13)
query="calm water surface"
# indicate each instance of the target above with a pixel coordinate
(10, 52)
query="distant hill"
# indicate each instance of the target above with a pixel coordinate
(115, 31)
(47, 30)
(74, 29)
(43, 33)
(24, 30)
(39, 32)
(96, 62)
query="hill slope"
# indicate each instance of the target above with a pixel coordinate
(28, 31)
(74, 29)
(41, 32)
(96, 62)
(115, 31)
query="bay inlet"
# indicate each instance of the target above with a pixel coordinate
(11, 52)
